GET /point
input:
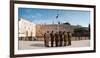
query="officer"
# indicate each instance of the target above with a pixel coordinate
(65, 36)
(52, 36)
(69, 38)
(47, 38)
(60, 38)
(57, 39)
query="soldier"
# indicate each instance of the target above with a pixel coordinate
(60, 38)
(46, 39)
(57, 39)
(69, 38)
(26, 36)
(52, 38)
(65, 38)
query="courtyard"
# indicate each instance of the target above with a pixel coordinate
(23, 45)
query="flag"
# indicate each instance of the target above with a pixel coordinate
(57, 16)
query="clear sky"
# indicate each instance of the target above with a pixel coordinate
(48, 16)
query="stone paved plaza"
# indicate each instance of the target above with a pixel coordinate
(40, 44)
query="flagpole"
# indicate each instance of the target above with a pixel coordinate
(57, 21)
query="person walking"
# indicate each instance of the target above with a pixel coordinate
(52, 36)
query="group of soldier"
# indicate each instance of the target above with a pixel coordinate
(57, 39)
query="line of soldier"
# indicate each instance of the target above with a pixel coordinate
(57, 39)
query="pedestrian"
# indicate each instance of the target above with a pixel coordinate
(52, 36)
(69, 38)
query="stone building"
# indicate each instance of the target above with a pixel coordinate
(27, 30)
(41, 29)
(30, 31)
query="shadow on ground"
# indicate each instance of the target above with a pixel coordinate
(37, 45)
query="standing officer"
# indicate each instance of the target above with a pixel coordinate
(60, 38)
(69, 38)
(52, 38)
(65, 38)
(56, 39)
(46, 39)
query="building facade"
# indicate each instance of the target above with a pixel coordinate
(30, 31)
(41, 29)
(27, 30)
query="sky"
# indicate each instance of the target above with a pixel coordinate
(49, 16)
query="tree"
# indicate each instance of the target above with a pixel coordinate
(79, 26)
(79, 32)
(67, 23)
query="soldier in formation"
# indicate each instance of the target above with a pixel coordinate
(69, 38)
(57, 39)
(52, 36)
(46, 38)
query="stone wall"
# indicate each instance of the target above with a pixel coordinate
(41, 29)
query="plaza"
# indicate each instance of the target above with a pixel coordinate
(25, 45)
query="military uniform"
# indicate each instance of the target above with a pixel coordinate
(52, 36)
(69, 38)
(56, 39)
(60, 38)
(47, 38)
(65, 38)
